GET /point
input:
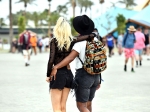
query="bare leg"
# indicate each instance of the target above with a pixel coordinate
(126, 61)
(137, 60)
(64, 98)
(82, 107)
(148, 52)
(132, 62)
(56, 96)
(125, 66)
(89, 106)
(140, 59)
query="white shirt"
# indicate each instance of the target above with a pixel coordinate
(47, 40)
(80, 48)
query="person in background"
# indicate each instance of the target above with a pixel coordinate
(14, 45)
(110, 44)
(147, 43)
(43, 43)
(119, 42)
(128, 45)
(40, 44)
(33, 41)
(46, 40)
(26, 46)
(98, 36)
(139, 45)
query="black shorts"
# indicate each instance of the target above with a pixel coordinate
(47, 46)
(87, 85)
(64, 78)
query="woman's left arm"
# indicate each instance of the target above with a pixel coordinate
(51, 59)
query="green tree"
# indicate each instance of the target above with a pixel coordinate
(21, 24)
(15, 17)
(2, 23)
(121, 23)
(43, 17)
(128, 3)
(35, 17)
(54, 17)
(84, 4)
(62, 10)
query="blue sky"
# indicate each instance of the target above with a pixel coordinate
(97, 9)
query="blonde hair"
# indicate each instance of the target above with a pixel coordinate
(62, 33)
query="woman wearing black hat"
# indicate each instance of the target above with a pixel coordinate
(60, 47)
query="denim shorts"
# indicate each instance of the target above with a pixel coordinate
(138, 52)
(64, 78)
(87, 85)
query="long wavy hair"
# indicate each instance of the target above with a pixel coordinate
(62, 33)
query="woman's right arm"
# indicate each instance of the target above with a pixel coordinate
(51, 57)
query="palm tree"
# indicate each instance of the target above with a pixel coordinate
(73, 5)
(121, 23)
(26, 2)
(62, 9)
(101, 1)
(10, 24)
(84, 4)
(128, 3)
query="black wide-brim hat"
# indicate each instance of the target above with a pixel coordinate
(83, 25)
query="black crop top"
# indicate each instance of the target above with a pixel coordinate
(56, 55)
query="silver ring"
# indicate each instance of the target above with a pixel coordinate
(51, 76)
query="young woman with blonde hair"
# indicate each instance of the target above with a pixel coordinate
(60, 47)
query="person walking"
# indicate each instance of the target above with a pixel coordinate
(110, 44)
(128, 44)
(14, 45)
(147, 43)
(87, 83)
(33, 41)
(40, 44)
(120, 39)
(139, 45)
(60, 47)
(26, 46)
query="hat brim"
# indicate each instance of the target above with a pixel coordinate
(79, 29)
(131, 30)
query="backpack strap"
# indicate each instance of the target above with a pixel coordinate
(125, 39)
(80, 60)
(85, 51)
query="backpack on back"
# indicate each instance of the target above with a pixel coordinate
(95, 57)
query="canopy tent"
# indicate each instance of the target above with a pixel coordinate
(142, 18)
(107, 23)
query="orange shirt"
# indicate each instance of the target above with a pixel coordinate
(33, 41)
